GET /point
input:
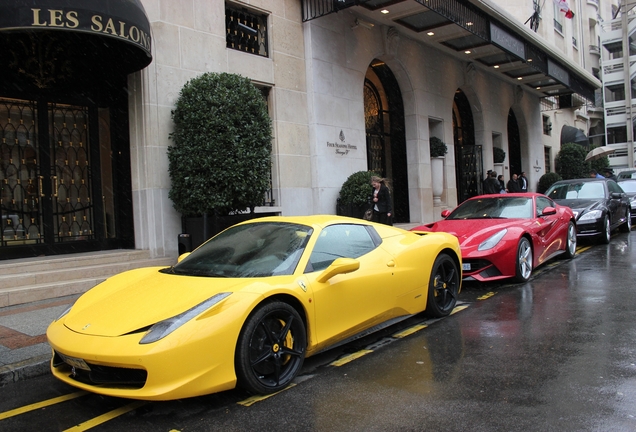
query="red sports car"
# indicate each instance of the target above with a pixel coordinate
(508, 235)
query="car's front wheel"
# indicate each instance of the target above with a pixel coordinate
(606, 234)
(271, 348)
(627, 225)
(524, 260)
(443, 287)
(570, 241)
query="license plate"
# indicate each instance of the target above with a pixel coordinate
(466, 267)
(75, 362)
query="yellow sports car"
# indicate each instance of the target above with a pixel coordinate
(247, 307)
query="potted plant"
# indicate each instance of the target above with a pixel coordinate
(354, 194)
(220, 160)
(438, 147)
(498, 155)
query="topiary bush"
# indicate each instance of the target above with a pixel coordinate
(221, 157)
(547, 180)
(357, 188)
(570, 162)
(498, 155)
(438, 147)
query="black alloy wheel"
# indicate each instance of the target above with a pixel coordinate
(443, 287)
(271, 348)
(627, 225)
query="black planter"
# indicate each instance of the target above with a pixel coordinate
(351, 210)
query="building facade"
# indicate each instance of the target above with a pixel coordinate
(350, 86)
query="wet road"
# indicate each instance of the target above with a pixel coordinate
(555, 354)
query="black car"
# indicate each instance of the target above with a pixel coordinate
(599, 205)
(629, 186)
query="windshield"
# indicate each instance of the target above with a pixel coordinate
(583, 190)
(251, 250)
(628, 186)
(499, 207)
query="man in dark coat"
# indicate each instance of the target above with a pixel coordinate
(491, 184)
(513, 184)
(523, 182)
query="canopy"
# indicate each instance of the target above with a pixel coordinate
(570, 134)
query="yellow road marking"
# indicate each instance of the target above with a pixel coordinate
(487, 295)
(252, 400)
(458, 309)
(108, 416)
(410, 331)
(37, 405)
(351, 357)
(583, 249)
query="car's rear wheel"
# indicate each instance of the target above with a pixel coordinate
(271, 348)
(570, 241)
(524, 260)
(606, 234)
(627, 226)
(443, 287)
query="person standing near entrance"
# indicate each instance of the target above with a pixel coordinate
(513, 184)
(381, 200)
(523, 182)
(491, 185)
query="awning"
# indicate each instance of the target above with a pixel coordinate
(113, 31)
(570, 134)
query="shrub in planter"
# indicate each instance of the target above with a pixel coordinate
(220, 161)
(570, 162)
(498, 155)
(438, 147)
(546, 181)
(354, 194)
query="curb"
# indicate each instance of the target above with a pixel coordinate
(23, 370)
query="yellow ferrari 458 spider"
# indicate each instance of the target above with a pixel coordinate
(247, 306)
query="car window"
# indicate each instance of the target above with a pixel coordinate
(628, 186)
(256, 249)
(614, 187)
(339, 241)
(496, 207)
(542, 203)
(583, 190)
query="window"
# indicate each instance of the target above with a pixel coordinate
(558, 18)
(542, 203)
(246, 31)
(547, 125)
(547, 158)
(339, 241)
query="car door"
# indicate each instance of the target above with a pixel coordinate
(549, 229)
(616, 206)
(348, 303)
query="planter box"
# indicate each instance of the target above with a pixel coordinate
(350, 210)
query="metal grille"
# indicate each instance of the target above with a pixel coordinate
(19, 174)
(461, 14)
(72, 204)
(245, 31)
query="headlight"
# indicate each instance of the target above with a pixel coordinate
(165, 327)
(492, 240)
(594, 214)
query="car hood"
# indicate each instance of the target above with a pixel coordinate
(581, 205)
(140, 298)
(469, 231)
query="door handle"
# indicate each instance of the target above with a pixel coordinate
(54, 178)
(40, 178)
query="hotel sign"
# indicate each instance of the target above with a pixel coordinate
(122, 19)
(341, 148)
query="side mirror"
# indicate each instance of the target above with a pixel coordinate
(548, 211)
(182, 256)
(616, 195)
(339, 266)
(445, 213)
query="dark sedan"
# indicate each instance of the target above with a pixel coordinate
(629, 186)
(599, 205)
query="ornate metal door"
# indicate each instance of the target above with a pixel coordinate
(45, 178)
(469, 171)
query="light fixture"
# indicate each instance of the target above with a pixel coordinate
(362, 23)
(430, 33)
(469, 23)
(467, 52)
(520, 78)
(384, 11)
(538, 88)
(496, 66)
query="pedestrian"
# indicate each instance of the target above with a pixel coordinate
(483, 182)
(594, 174)
(609, 173)
(491, 184)
(513, 184)
(502, 183)
(380, 199)
(523, 182)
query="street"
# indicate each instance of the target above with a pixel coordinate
(554, 354)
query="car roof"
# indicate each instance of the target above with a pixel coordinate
(582, 180)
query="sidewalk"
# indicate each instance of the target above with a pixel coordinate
(24, 352)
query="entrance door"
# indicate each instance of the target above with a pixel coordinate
(50, 177)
